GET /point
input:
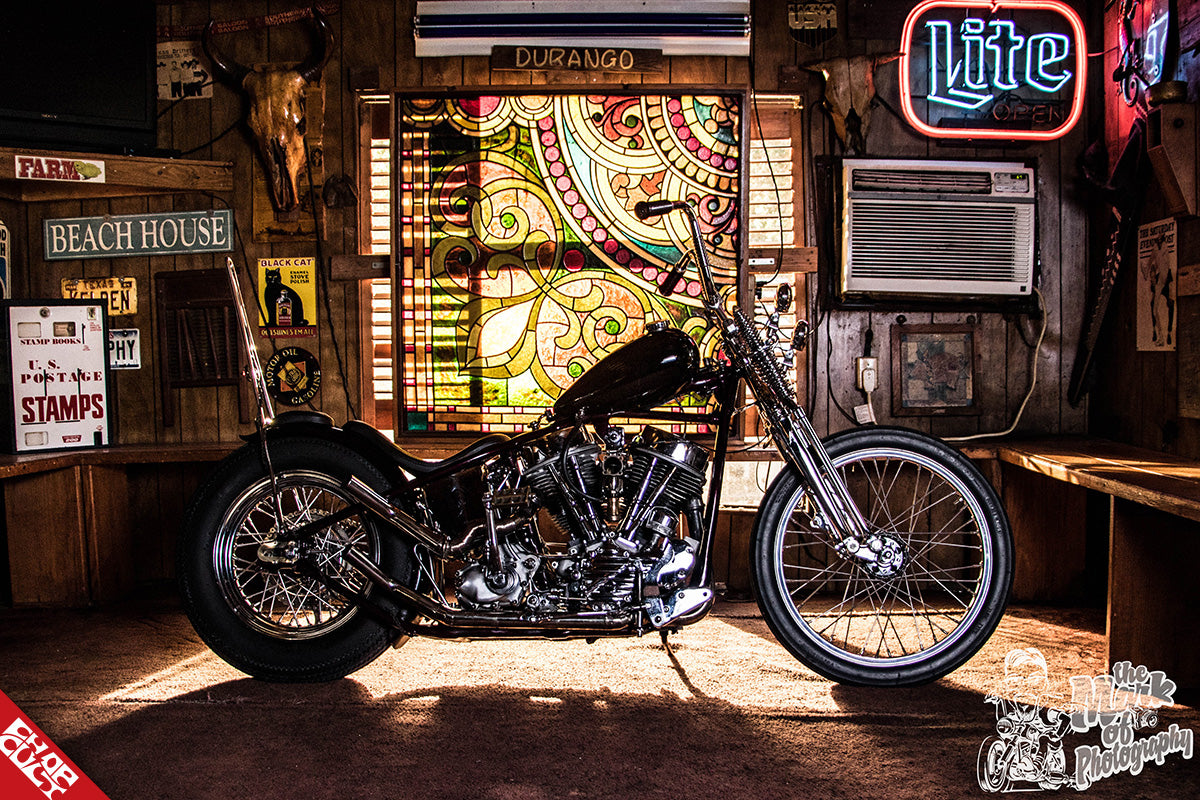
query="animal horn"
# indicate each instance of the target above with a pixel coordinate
(310, 70)
(227, 67)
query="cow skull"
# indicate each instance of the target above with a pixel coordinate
(275, 94)
(850, 94)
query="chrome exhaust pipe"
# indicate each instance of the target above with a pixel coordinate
(398, 517)
(470, 619)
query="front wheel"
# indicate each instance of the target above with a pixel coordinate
(994, 758)
(926, 589)
(247, 593)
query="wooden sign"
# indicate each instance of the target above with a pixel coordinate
(138, 234)
(576, 59)
(30, 167)
(120, 294)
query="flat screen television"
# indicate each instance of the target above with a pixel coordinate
(78, 75)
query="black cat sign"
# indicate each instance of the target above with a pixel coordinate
(287, 302)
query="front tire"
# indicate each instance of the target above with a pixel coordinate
(247, 601)
(994, 758)
(940, 584)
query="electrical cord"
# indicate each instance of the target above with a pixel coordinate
(213, 140)
(1032, 383)
(321, 267)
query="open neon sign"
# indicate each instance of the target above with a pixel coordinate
(992, 78)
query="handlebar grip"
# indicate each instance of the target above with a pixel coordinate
(654, 208)
(671, 282)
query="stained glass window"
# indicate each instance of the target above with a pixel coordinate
(520, 260)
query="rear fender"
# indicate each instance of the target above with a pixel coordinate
(317, 425)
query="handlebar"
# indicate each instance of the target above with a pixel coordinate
(656, 208)
(698, 255)
(671, 282)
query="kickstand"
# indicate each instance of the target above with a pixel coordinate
(683, 676)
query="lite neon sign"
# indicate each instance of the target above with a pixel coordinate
(978, 68)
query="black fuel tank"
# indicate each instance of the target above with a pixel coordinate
(638, 376)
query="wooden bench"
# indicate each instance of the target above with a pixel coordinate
(1153, 526)
(68, 521)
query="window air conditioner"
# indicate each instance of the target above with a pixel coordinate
(939, 230)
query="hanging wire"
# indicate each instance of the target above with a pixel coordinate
(321, 275)
(1032, 383)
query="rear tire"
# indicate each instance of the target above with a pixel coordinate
(270, 620)
(898, 622)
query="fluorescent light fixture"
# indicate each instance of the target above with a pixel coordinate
(465, 28)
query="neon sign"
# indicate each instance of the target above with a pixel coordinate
(1143, 57)
(967, 67)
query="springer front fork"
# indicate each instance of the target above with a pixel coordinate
(878, 553)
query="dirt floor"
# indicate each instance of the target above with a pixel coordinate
(146, 711)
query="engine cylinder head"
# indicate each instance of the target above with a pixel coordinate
(661, 456)
(567, 495)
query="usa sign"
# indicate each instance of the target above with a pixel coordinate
(993, 69)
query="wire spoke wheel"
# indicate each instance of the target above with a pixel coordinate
(253, 594)
(922, 592)
(276, 598)
(899, 616)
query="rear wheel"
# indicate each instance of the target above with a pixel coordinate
(933, 585)
(246, 591)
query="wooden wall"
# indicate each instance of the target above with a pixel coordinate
(1005, 354)
(376, 34)
(1148, 398)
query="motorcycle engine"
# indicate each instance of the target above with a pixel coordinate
(620, 501)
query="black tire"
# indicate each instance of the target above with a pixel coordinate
(272, 622)
(900, 624)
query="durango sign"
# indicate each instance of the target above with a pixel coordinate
(993, 69)
(576, 59)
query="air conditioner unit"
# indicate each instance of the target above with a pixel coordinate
(937, 230)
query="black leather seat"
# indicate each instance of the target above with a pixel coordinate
(419, 466)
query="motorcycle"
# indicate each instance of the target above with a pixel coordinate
(879, 556)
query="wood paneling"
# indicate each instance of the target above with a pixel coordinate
(376, 35)
(1049, 536)
(47, 541)
(1149, 594)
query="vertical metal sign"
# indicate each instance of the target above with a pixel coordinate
(57, 371)
(5, 264)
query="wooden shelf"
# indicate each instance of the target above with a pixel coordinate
(124, 176)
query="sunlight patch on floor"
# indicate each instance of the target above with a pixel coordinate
(732, 661)
(182, 677)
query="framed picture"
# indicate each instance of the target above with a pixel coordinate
(933, 370)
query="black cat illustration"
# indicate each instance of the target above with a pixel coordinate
(284, 307)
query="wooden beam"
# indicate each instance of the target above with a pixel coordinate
(124, 176)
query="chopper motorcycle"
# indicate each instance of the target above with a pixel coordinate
(879, 556)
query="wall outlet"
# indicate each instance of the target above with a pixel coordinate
(866, 372)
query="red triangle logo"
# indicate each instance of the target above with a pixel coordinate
(32, 767)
